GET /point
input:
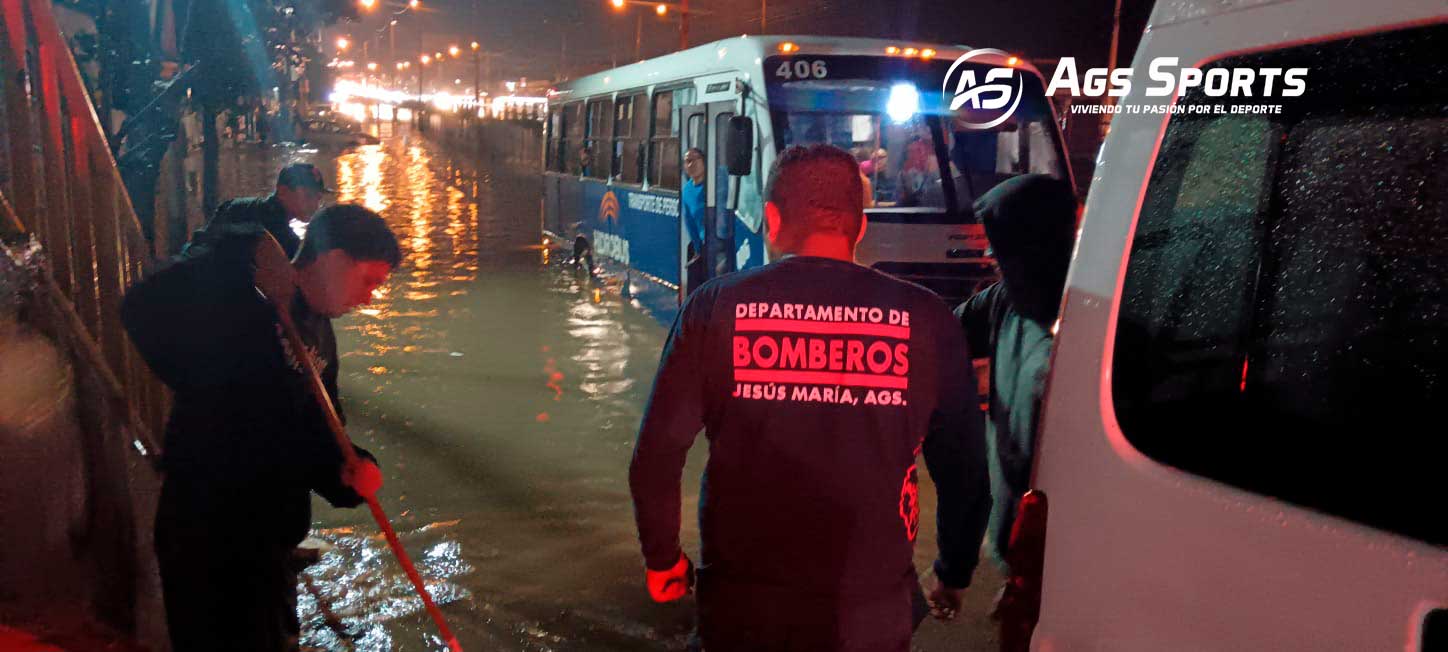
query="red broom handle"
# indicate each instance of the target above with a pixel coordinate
(349, 456)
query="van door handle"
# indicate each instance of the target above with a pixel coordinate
(960, 253)
(1435, 631)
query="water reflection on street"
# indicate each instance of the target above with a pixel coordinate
(501, 397)
(501, 392)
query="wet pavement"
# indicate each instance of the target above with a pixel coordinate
(501, 391)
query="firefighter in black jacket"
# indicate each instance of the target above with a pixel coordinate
(817, 382)
(245, 443)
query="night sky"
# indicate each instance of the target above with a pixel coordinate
(529, 35)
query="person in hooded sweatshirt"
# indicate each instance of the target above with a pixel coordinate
(1030, 221)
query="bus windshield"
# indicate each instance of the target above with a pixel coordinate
(889, 113)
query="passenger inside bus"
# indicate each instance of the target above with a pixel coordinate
(917, 173)
(692, 203)
(585, 160)
(862, 158)
(881, 185)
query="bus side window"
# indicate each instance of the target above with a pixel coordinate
(572, 139)
(697, 137)
(630, 123)
(600, 126)
(664, 144)
(750, 204)
(555, 136)
(638, 137)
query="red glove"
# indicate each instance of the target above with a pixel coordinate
(672, 584)
(363, 477)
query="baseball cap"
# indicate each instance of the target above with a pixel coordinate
(302, 175)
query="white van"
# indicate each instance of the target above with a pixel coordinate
(1251, 367)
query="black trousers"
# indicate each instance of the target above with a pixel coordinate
(222, 596)
(744, 617)
(693, 271)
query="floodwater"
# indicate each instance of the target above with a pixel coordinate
(501, 390)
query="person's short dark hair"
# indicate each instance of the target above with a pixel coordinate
(693, 150)
(302, 175)
(818, 190)
(354, 229)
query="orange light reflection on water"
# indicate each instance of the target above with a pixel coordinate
(359, 177)
(437, 228)
(419, 185)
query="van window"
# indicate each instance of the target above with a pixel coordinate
(1284, 319)
(600, 138)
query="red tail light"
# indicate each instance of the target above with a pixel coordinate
(1020, 606)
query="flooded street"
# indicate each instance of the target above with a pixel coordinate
(501, 391)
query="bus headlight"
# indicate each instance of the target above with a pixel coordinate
(904, 102)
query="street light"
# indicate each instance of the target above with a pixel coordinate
(662, 9)
(453, 50)
(477, 71)
(413, 4)
(372, 66)
(368, 4)
(342, 43)
(426, 59)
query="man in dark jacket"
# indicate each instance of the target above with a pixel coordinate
(298, 194)
(245, 443)
(1030, 221)
(817, 382)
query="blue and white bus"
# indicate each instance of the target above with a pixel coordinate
(616, 142)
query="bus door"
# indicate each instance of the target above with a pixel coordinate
(704, 128)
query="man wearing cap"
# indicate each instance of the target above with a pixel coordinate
(298, 195)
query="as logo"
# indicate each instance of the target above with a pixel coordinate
(608, 209)
(982, 103)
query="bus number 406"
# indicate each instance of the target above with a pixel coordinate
(802, 70)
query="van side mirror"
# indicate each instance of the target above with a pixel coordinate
(739, 145)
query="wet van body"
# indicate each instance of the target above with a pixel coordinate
(1249, 371)
(616, 141)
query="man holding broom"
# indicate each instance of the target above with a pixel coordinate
(246, 443)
